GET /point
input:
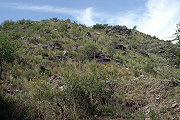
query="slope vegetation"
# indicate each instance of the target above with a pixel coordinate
(67, 71)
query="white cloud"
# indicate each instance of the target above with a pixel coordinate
(43, 8)
(83, 16)
(86, 17)
(47, 9)
(159, 18)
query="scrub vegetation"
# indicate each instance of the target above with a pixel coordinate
(60, 70)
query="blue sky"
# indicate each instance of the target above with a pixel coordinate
(154, 17)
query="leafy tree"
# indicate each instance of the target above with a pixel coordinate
(7, 51)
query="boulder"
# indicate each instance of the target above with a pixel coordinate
(88, 34)
(56, 46)
(55, 79)
(121, 47)
(174, 105)
(103, 59)
(121, 30)
(100, 58)
(42, 69)
(161, 51)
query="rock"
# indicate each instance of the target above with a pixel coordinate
(177, 110)
(45, 55)
(137, 74)
(121, 30)
(161, 51)
(174, 105)
(42, 69)
(173, 83)
(119, 61)
(16, 90)
(55, 79)
(88, 34)
(8, 91)
(104, 59)
(142, 76)
(158, 98)
(101, 58)
(120, 46)
(64, 52)
(57, 46)
(61, 88)
(175, 118)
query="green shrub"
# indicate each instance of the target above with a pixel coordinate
(91, 50)
(99, 26)
(7, 51)
(54, 19)
(24, 21)
(7, 24)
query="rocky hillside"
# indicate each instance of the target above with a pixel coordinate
(61, 70)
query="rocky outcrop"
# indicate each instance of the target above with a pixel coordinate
(121, 30)
(121, 47)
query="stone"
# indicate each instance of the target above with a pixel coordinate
(57, 46)
(61, 88)
(42, 69)
(55, 79)
(45, 55)
(88, 34)
(173, 83)
(104, 59)
(101, 58)
(121, 30)
(174, 105)
(120, 46)
(175, 118)
(161, 51)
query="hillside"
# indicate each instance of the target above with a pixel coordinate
(67, 71)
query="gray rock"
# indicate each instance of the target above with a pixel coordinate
(120, 46)
(174, 105)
